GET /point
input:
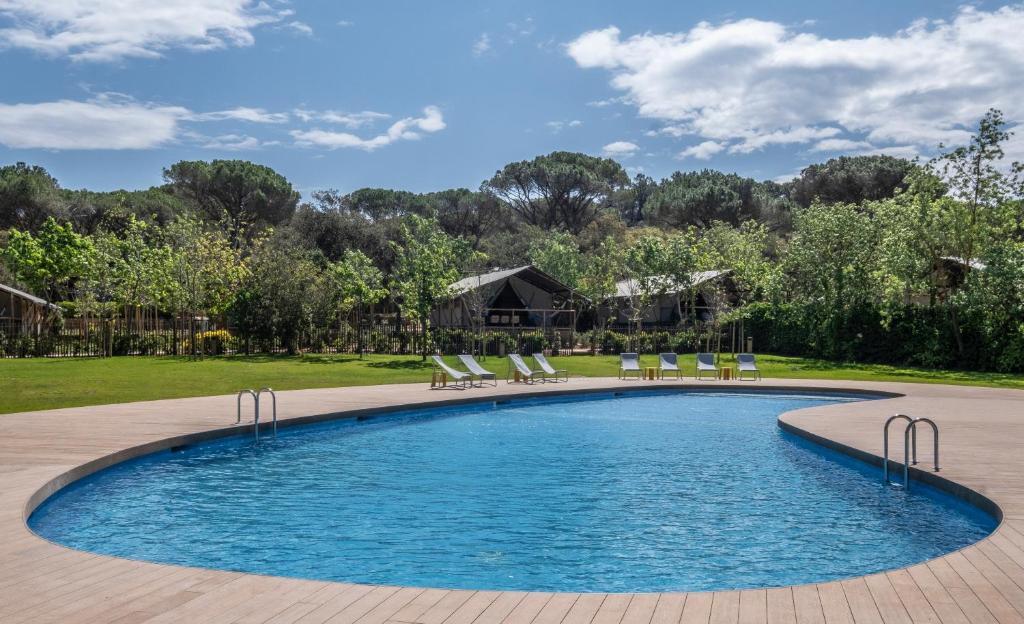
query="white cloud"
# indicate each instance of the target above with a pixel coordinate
(345, 23)
(407, 129)
(558, 126)
(242, 113)
(482, 45)
(232, 143)
(620, 149)
(750, 83)
(301, 28)
(111, 30)
(703, 150)
(840, 145)
(349, 120)
(102, 123)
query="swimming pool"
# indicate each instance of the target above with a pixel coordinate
(653, 491)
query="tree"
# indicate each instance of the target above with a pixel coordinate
(358, 283)
(830, 264)
(632, 199)
(851, 180)
(427, 263)
(562, 189)
(699, 198)
(644, 265)
(28, 197)
(465, 214)
(49, 262)
(242, 195)
(205, 269)
(558, 255)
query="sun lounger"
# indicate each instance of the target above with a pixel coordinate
(669, 362)
(629, 363)
(706, 364)
(476, 370)
(459, 378)
(526, 374)
(549, 370)
(745, 363)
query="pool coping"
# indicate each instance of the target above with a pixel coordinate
(940, 589)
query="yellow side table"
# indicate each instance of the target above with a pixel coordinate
(727, 373)
(438, 378)
(650, 372)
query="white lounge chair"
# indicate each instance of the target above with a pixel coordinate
(745, 363)
(476, 370)
(706, 364)
(669, 362)
(459, 378)
(549, 370)
(629, 363)
(526, 374)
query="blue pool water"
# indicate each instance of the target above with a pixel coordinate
(645, 492)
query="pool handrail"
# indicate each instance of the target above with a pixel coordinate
(272, 396)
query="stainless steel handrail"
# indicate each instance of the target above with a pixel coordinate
(912, 430)
(256, 400)
(274, 398)
(885, 444)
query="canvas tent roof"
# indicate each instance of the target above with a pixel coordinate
(627, 287)
(528, 273)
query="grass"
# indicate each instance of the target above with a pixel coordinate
(46, 383)
(35, 384)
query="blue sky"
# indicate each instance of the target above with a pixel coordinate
(426, 96)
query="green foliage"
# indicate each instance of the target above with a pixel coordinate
(50, 261)
(243, 195)
(562, 189)
(851, 180)
(28, 197)
(428, 262)
(699, 198)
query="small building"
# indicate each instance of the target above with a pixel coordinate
(22, 313)
(523, 297)
(707, 294)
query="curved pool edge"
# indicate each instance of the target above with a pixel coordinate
(379, 399)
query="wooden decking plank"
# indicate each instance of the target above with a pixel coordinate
(419, 605)
(725, 607)
(502, 606)
(753, 606)
(377, 612)
(528, 608)
(612, 609)
(584, 609)
(972, 606)
(444, 607)
(889, 605)
(472, 608)
(1006, 586)
(641, 609)
(357, 608)
(669, 609)
(916, 603)
(996, 603)
(862, 604)
(834, 605)
(780, 608)
(556, 608)
(807, 605)
(939, 599)
(697, 609)
(1005, 556)
(333, 606)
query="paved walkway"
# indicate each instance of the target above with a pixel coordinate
(983, 449)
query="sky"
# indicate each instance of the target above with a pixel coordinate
(426, 96)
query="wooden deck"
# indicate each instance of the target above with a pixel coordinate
(983, 449)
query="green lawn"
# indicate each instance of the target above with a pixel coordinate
(35, 384)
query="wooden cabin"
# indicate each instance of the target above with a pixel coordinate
(708, 294)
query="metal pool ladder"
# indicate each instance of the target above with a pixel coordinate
(909, 446)
(256, 409)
